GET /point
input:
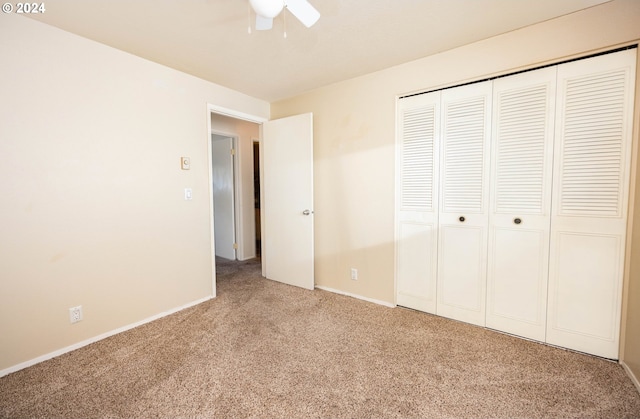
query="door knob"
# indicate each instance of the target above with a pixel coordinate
(307, 212)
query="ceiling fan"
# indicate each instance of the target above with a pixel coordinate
(266, 10)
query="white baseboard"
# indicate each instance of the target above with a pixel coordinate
(359, 297)
(89, 341)
(631, 375)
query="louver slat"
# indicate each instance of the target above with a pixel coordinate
(464, 155)
(592, 148)
(417, 159)
(520, 154)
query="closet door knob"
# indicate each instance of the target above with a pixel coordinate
(461, 219)
(517, 220)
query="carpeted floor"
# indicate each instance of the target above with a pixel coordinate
(267, 350)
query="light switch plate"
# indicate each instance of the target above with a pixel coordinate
(185, 163)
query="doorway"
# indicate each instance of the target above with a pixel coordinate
(245, 134)
(286, 217)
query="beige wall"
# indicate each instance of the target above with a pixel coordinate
(354, 134)
(91, 192)
(245, 132)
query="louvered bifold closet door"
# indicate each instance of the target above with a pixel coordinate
(417, 201)
(590, 197)
(463, 218)
(520, 214)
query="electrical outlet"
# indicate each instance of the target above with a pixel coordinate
(75, 314)
(354, 274)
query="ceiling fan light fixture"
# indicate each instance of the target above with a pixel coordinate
(267, 8)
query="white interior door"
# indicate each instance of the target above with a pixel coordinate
(417, 201)
(287, 185)
(463, 218)
(223, 196)
(590, 202)
(520, 215)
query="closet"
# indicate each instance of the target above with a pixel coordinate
(511, 206)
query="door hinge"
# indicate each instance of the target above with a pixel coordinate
(235, 246)
(233, 151)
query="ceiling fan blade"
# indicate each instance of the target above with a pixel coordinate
(304, 11)
(263, 23)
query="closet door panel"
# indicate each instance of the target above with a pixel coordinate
(417, 201)
(463, 218)
(516, 276)
(590, 198)
(520, 212)
(461, 287)
(416, 264)
(588, 291)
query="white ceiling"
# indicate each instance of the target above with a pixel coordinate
(209, 38)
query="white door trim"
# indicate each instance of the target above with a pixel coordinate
(237, 209)
(237, 182)
(234, 114)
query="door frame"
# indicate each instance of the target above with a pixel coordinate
(211, 108)
(237, 228)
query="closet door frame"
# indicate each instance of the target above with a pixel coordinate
(557, 234)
